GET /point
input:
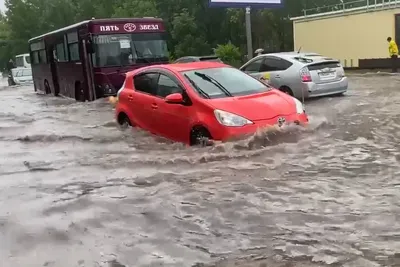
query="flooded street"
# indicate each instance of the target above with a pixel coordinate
(77, 191)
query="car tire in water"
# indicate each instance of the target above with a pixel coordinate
(200, 136)
(123, 121)
(286, 90)
(47, 89)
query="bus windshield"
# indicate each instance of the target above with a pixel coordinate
(127, 49)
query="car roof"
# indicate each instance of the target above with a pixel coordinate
(180, 67)
(291, 56)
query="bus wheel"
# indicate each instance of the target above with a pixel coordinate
(47, 87)
(79, 93)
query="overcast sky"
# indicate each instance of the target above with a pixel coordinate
(2, 5)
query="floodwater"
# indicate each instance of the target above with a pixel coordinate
(77, 191)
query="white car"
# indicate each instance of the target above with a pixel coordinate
(22, 76)
(302, 75)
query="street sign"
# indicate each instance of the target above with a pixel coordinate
(247, 3)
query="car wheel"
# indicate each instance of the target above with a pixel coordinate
(200, 136)
(124, 121)
(286, 90)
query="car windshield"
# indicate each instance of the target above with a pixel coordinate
(128, 49)
(223, 82)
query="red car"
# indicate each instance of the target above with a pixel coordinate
(195, 101)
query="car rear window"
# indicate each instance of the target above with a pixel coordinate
(324, 65)
(303, 60)
(312, 55)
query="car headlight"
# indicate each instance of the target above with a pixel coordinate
(299, 106)
(230, 119)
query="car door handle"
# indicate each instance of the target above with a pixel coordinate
(277, 76)
(154, 106)
(130, 97)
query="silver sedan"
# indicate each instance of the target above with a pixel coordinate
(302, 75)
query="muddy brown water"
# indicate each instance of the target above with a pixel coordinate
(77, 191)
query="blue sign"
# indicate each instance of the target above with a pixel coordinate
(247, 3)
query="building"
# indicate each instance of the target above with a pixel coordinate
(354, 35)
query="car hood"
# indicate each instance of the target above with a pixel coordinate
(258, 106)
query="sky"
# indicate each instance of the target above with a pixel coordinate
(2, 5)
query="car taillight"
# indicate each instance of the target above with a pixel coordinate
(305, 75)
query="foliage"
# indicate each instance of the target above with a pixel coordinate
(194, 28)
(229, 54)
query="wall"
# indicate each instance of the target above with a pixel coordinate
(347, 37)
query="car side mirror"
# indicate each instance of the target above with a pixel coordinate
(174, 98)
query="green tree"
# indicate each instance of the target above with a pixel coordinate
(185, 32)
(192, 26)
(229, 54)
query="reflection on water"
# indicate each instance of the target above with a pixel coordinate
(77, 191)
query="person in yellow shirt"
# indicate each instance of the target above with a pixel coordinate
(393, 53)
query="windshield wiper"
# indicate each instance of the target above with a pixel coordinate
(215, 82)
(139, 54)
(197, 87)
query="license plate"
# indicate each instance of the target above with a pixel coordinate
(327, 75)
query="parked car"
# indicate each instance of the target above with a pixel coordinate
(22, 76)
(197, 59)
(299, 74)
(202, 101)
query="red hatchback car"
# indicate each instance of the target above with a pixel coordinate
(195, 101)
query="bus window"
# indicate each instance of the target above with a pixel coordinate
(42, 56)
(73, 46)
(113, 50)
(28, 59)
(127, 49)
(60, 53)
(150, 45)
(35, 58)
(74, 51)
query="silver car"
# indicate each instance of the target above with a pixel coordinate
(302, 75)
(22, 76)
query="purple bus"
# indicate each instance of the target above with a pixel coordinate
(88, 60)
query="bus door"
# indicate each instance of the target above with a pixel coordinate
(52, 56)
(86, 63)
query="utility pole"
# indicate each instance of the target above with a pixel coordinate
(248, 34)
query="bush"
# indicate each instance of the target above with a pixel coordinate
(229, 54)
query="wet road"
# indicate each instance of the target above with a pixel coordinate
(77, 191)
